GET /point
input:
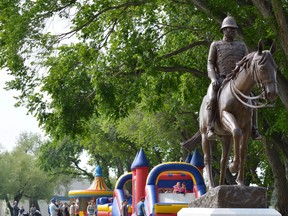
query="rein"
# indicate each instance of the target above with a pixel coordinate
(237, 93)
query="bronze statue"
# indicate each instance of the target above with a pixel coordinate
(222, 59)
(234, 105)
(234, 113)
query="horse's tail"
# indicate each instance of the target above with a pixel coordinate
(192, 143)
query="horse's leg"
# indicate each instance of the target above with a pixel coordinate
(226, 142)
(206, 147)
(230, 123)
(243, 153)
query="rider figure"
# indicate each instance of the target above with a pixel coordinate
(222, 59)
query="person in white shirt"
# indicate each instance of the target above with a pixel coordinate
(72, 209)
(53, 208)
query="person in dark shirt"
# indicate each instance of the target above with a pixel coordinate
(124, 208)
(15, 208)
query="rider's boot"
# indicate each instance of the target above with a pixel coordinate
(255, 135)
(210, 129)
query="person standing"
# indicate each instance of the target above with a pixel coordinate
(22, 210)
(15, 208)
(222, 58)
(76, 209)
(141, 207)
(49, 210)
(60, 208)
(124, 208)
(91, 208)
(53, 208)
(66, 209)
(72, 209)
(32, 210)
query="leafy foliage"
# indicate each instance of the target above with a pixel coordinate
(121, 75)
(20, 177)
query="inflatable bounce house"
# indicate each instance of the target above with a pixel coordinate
(156, 186)
(97, 191)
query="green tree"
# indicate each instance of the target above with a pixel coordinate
(126, 55)
(20, 177)
(62, 157)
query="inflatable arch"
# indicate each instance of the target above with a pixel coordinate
(165, 176)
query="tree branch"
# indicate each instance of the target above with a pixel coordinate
(266, 10)
(263, 7)
(108, 35)
(281, 20)
(76, 164)
(59, 9)
(125, 5)
(200, 4)
(183, 49)
(183, 69)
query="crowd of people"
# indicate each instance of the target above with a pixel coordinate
(57, 208)
(16, 211)
(140, 207)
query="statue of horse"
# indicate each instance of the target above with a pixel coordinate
(233, 120)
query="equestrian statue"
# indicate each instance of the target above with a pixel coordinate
(229, 109)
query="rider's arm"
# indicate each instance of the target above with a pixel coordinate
(211, 63)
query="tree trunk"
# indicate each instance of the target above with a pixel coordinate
(33, 201)
(9, 205)
(278, 169)
(275, 9)
(283, 89)
(105, 172)
(265, 8)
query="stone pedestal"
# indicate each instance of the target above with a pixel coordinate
(227, 212)
(232, 196)
(230, 200)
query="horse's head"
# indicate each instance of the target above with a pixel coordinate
(265, 71)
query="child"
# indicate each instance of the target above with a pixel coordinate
(183, 188)
(176, 188)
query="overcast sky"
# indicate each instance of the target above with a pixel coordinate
(13, 121)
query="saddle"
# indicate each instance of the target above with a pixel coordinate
(239, 66)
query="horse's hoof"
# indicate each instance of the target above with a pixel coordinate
(233, 168)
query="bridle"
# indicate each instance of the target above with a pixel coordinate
(255, 99)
